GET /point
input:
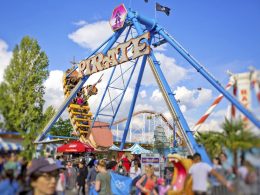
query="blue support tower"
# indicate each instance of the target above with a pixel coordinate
(143, 24)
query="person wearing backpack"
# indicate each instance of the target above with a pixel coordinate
(146, 184)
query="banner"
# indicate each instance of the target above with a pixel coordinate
(151, 159)
(120, 184)
(92, 190)
(243, 92)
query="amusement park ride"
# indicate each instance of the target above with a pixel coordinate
(136, 35)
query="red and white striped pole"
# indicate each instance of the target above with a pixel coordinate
(233, 108)
(212, 106)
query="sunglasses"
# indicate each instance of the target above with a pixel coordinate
(48, 176)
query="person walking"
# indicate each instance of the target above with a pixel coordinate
(217, 188)
(70, 176)
(61, 184)
(103, 179)
(199, 172)
(81, 178)
(92, 174)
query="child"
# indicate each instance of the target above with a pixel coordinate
(79, 99)
(163, 189)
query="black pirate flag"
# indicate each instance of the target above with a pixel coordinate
(164, 9)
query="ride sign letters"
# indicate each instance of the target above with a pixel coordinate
(138, 46)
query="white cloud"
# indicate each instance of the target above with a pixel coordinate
(160, 48)
(137, 123)
(53, 89)
(5, 57)
(220, 113)
(139, 107)
(211, 125)
(183, 108)
(188, 99)
(80, 23)
(143, 94)
(172, 72)
(192, 98)
(156, 96)
(90, 36)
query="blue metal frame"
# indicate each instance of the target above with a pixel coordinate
(104, 94)
(206, 75)
(122, 96)
(131, 110)
(131, 17)
(61, 109)
(174, 104)
(76, 89)
(108, 83)
(90, 55)
(153, 26)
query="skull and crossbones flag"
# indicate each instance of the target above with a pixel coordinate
(164, 9)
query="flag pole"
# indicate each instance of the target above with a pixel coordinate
(155, 15)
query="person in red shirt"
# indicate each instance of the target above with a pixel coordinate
(126, 163)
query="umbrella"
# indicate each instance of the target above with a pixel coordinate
(75, 146)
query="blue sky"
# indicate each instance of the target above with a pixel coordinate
(222, 35)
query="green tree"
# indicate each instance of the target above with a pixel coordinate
(62, 128)
(21, 93)
(210, 141)
(236, 137)
(233, 137)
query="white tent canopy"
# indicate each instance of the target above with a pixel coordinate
(114, 147)
(137, 149)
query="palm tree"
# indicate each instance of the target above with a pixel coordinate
(210, 141)
(236, 137)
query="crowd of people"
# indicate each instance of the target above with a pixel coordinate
(62, 176)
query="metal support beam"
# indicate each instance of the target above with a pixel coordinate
(132, 17)
(103, 96)
(165, 89)
(91, 54)
(140, 76)
(61, 109)
(206, 75)
(122, 96)
(76, 89)
(175, 110)
(112, 73)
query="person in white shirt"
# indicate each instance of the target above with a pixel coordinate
(199, 172)
(135, 170)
